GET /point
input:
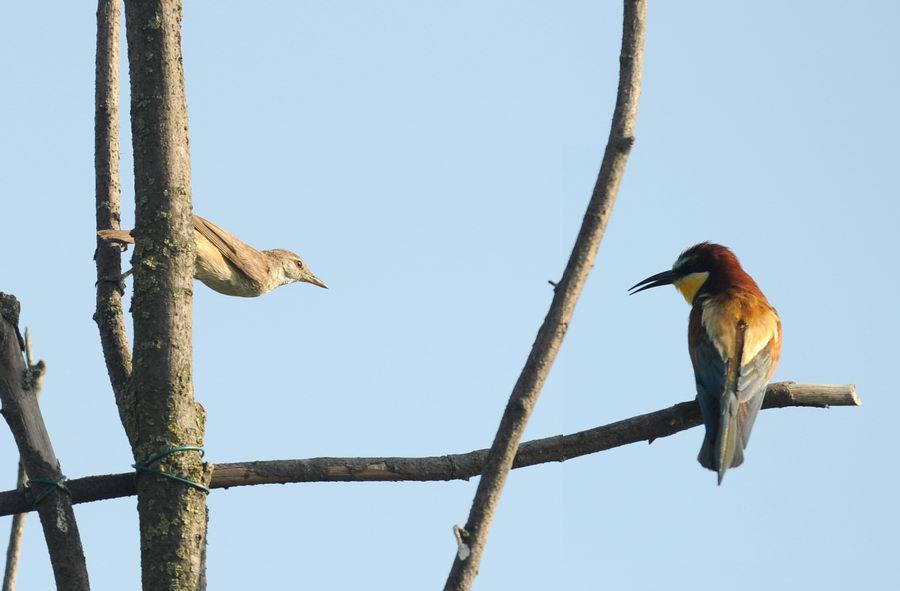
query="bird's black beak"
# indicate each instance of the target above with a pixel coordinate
(664, 278)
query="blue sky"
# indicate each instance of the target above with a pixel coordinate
(432, 162)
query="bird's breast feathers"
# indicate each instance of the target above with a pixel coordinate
(217, 272)
(720, 318)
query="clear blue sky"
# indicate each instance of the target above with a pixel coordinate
(432, 162)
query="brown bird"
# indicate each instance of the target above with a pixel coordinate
(228, 265)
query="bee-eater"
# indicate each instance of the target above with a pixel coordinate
(734, 338)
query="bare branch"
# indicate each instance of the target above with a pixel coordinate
(36, 371)
(109, 316)
(550, 336)
(560, 448)
(22, 413)
(172, 514)
(16, 531)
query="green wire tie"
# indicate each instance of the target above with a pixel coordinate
(52, 485)
(145, 466)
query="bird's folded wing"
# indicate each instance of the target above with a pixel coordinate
(248, 260)
(752, 381)
(730, 394)
(709, 374)
(716, 392)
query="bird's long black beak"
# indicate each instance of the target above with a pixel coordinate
(664, 278)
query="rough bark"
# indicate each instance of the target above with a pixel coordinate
(17, 528)
(560, 448)
(172, 515)
(22, 413)
(524, 397)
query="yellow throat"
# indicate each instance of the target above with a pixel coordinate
(689, 285)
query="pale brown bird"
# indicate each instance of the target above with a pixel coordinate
(228, 265)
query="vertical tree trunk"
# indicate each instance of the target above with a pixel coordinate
(172, 514)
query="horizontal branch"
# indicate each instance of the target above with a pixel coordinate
(560, 448)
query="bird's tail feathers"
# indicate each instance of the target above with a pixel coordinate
(728, 451)
(707, 456)
(724, 449)
(708, 459)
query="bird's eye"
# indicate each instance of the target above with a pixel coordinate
(683, 264)
(299, 264)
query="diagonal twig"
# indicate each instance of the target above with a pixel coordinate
(550, 336)
(16, 531)
(22, 413)
(37, 371)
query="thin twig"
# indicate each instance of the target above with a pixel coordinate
(560, 448)
(16, 531)
(109, 315)
(17, 528)
(22, 413)
(550, 336)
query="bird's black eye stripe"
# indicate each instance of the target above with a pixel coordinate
(688, 266)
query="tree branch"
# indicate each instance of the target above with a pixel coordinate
(550, 336)
(109, 316)
(16, 531)
(21, 411)
(172, 514)
(37, 371)
(560, 448)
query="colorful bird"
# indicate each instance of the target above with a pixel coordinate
(734, 338)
